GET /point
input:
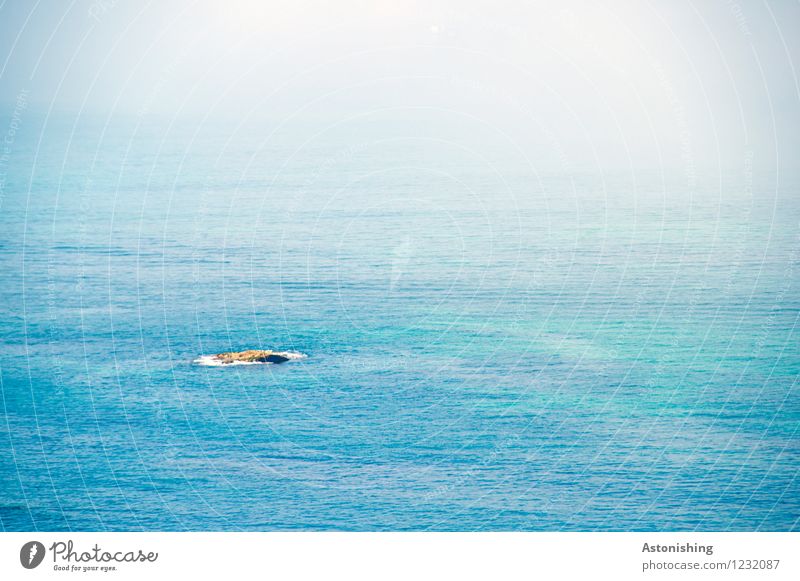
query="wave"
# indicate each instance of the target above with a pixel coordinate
(212, 361)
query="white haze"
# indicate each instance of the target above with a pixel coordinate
(597, 83)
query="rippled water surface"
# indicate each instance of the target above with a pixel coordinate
(489, 345)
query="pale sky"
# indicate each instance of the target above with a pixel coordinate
(713, 80)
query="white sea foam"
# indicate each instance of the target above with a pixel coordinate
(212, 361)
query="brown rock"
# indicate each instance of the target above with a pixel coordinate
(251, 356)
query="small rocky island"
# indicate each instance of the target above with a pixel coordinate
(251, 356)
(248, 357)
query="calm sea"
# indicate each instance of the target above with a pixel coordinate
(490, 345)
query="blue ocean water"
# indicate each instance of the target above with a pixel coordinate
(490, 345)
